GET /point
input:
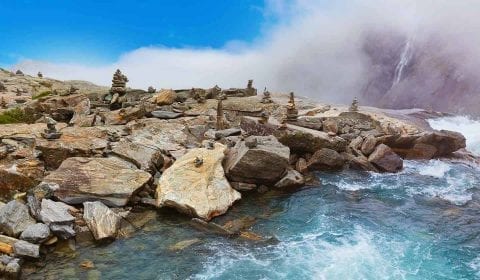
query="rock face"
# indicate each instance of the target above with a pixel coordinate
(326, 159)
(109, 180)
(36, 233)
(385, 159)
(199, 190)
(15, 218)
(102, 221)
(257, 160)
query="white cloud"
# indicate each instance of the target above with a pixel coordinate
(317, 50)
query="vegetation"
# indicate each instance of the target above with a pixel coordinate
(42, 94)
(15, 115)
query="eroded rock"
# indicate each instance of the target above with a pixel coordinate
(15, 218)
(201, 191)
(385, 159)
(102, 221)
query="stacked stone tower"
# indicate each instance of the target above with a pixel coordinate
(119, 83)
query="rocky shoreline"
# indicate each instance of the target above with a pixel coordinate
(95, 167)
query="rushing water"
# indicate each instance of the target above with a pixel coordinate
(422, 223)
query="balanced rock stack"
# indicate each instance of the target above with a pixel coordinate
(119, 83)
(2, 87)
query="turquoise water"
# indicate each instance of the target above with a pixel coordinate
(422, 223)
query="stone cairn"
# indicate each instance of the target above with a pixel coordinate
(51, 132)
(19, 73)
(354, 106)
(2, 87)
(250, 90)
(119, 87)
(267, 98)
(151, 89)
(199, 95)
(292, 112)
(18, 92)
(39, 74)
(220, 114)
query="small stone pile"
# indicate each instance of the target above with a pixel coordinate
(267, 98)
(51, 132)
(151, 89)
(19, 73)
(39, 74)
(292, 112)
(354, 106)
(119, 83)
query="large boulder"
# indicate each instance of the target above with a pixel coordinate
(292, 178)
(110, 180)
(15, 218)
(385, 159)
(298, 139)
(446, 142)
(74, 142)
(257, 160)
(102, 222)
(164, 97)
(145, 157)
(196, 185)
(326, 159)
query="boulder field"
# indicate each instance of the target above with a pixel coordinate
(107, 172)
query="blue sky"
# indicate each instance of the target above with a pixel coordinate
(96, 32)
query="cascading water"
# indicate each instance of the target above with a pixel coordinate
(405, 57)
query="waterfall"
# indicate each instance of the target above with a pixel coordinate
(404, 60)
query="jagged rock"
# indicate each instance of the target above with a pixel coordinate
(298, 139)
(57, 217)
(15, 218)
(385, 159)
(330, 125)
(239, 186)
(165, 114)
(197, 191)
(292, 178)
(124, 115)
(326, 159)
(34, 206)
(164, 97)
(36, 233)
(102, 221)
(25, 249)
(145, 157)
(112, 181)
(219, 134)
(446, 142)
(263, 163)
(74, 142)
(368, 145)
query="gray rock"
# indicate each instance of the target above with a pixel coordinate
(293, 178)
(63, 231)
(103, 222)
(34, 206)
(55, 213)
(385, 159)
(368, 145)
(166, 114)
(219, 134)
(25, 249)
(36, 233)
(263, 163)
(15, 218)
(12, 268)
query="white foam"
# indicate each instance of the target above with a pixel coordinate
(435, 168)
(465, 125)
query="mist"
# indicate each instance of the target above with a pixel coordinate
(318, 50)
